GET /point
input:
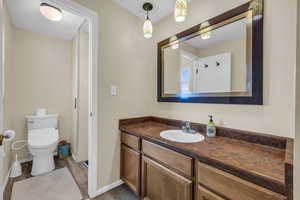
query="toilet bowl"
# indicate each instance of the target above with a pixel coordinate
(41, 144)
(43, 139)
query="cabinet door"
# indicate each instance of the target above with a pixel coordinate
(204, 194)
(160, 183)
(130, 168)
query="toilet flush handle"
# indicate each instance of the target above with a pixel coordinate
(30, 121)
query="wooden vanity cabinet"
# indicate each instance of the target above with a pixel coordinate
(231, 186)
(131, 141)
(204, 194)
(131, 162)
(130, 168)
(154, 172)
(161, 183)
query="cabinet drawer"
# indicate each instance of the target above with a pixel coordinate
(204, 194)
(171, 158)
(131, 141)
(233, 187)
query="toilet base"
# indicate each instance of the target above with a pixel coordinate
(42, 164)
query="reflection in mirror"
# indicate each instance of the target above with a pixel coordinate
(212, 62)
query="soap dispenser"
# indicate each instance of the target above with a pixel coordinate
(211, 128)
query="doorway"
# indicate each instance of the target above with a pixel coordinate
(91, 115)
(80, 95)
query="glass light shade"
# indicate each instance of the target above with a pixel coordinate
(180, 11)
(148, 29)
(206, 36)
(50, 12)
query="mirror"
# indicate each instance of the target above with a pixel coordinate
(214, 62)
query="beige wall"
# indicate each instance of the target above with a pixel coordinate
(276, 115)
(8, 57)
(40, 77)
(125, 60)
(297, 117)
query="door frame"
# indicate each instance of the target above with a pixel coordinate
(92, 18)
(2, 48)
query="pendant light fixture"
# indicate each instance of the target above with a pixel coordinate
(207, 34)
(50, 12)
(148, 28)
(180, 11)
(175, 44)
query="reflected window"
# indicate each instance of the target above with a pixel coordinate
(185, 74)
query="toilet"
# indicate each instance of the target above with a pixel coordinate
(42, 142)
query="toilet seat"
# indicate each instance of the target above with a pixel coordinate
(42, 138)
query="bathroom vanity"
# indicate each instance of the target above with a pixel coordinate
(236, 165)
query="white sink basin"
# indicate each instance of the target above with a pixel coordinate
(182, 137)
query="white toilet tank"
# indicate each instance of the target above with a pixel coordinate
(39, 122)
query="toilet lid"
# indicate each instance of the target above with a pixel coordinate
(39, 138)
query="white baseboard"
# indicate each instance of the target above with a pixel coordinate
(108, 188)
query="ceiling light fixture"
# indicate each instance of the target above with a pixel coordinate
(180, 11)
(147, 28)
(50, 12)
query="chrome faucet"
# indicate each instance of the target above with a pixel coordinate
(186, 128)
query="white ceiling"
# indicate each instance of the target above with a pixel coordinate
(26, 14)
(234, 31)
(161, 8)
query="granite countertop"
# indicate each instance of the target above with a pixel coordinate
(258, 163)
